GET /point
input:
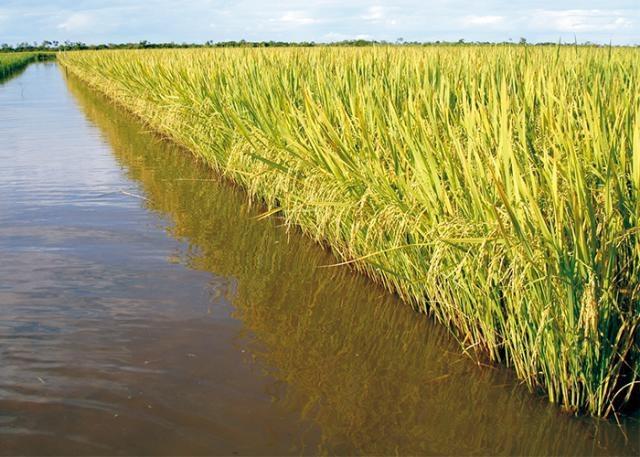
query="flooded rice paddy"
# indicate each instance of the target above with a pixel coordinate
(146, 308)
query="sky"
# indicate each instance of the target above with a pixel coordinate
(117, 21)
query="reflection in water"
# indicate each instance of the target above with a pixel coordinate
(12, 75)
(108, 344)
(347, 356)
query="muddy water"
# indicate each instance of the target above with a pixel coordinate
(146, 309)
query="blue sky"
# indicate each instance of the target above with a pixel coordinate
(99, 21)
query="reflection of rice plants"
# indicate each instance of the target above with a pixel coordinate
(496, 188)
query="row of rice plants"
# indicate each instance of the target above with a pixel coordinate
(11, 63)
(496, 188)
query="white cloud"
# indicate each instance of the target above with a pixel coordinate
(374, 13)
(380, 15)
(581, 20)
(296, 18)
(473, 20)
(96, 21)
(334, 36)
(77, 22)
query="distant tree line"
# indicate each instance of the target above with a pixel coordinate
(54, 45)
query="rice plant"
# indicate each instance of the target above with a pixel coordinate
(11, 63)
(496, 188)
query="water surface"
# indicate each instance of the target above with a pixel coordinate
(145, 308)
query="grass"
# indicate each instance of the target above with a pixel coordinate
(11, 63)
(495, 188)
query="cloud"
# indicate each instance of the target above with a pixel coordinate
(473, 21)
(374, 13)
(581, 20)
(77, 22)
(379, 15)
(96, 21)
(296, 18)
(335, 36)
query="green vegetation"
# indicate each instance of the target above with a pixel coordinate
(14, 62)
(496, 188)
(313, 329)
(53, 46)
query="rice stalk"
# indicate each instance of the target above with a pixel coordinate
(496, 188)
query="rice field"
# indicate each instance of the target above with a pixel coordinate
(11, 63)
(495, 188)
